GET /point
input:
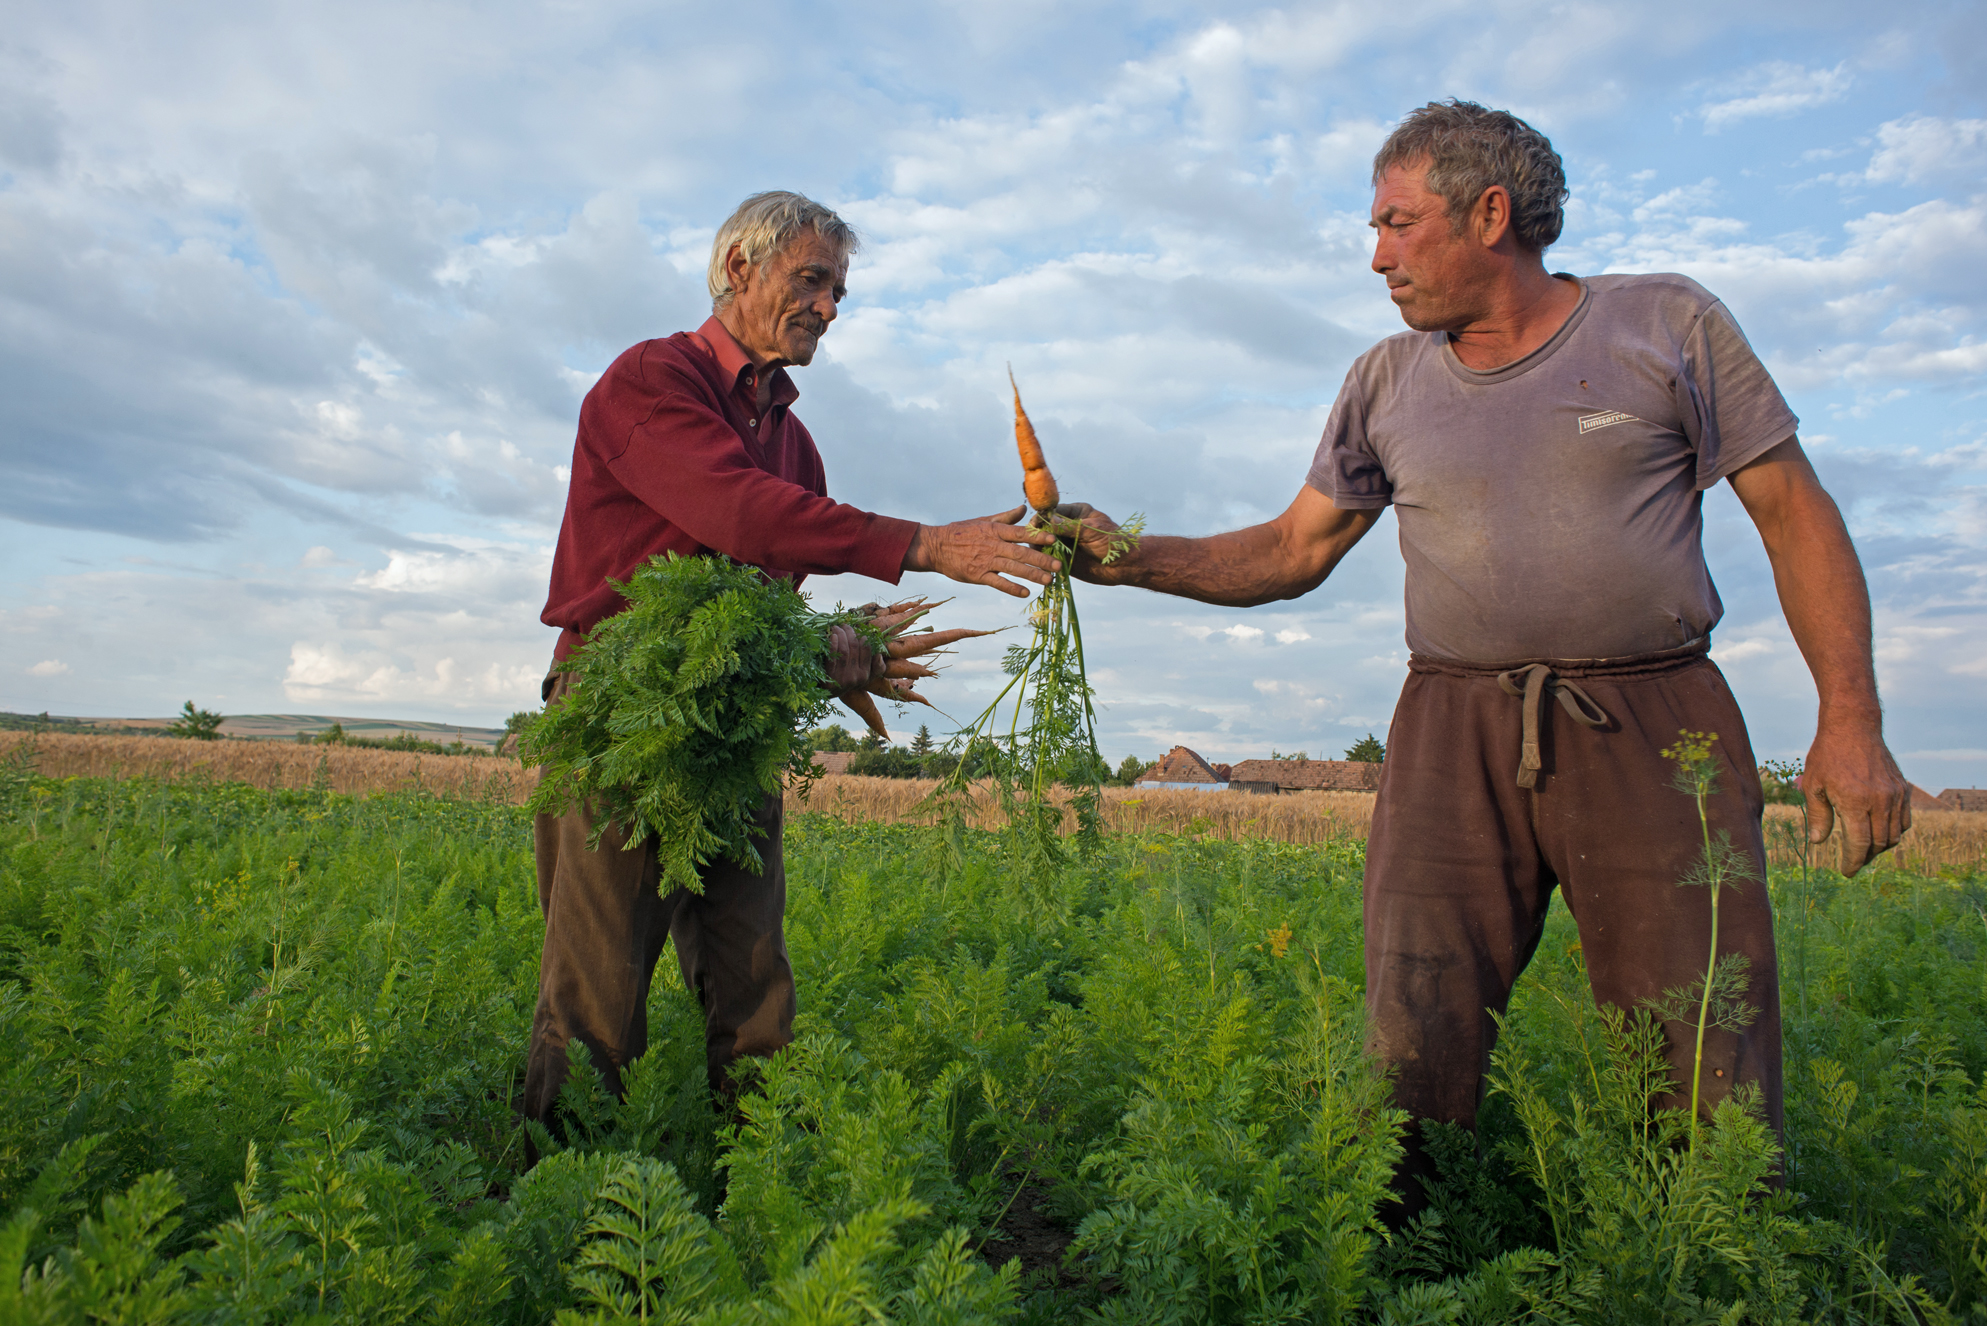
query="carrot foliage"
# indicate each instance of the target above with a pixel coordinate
(688, 710)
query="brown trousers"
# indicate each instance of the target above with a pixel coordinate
(605, 924)
(1462, 862)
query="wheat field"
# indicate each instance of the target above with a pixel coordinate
(1298, 817)
(271, 764)
(1938, 841)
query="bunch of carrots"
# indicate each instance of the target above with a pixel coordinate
(1050, 727)
(902, 647)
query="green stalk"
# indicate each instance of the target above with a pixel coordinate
(1711, 967)
(1050, 735)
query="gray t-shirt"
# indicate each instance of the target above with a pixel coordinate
(1550, 508)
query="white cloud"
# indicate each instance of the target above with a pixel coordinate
(463, 567)
(1776, 88)
(299, 306)
(1923, 147)
(1901, 299)
(49, 667)
(324, 672)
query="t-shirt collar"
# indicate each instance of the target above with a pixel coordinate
(1524, 364)
(736, 365)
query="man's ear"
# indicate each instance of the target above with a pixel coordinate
(1493, 215)
(737, 270)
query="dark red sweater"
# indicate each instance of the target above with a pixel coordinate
(672, 457)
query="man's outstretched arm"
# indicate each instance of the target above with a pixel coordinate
(1281, 559)
(1849, 775)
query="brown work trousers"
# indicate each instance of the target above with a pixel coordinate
(605, 923)
(1462, 862)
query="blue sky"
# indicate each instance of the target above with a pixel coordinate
(297, 305)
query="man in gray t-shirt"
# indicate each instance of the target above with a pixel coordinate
(1549, 507)
(1545, 442)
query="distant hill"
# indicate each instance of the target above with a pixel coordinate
(270, 727)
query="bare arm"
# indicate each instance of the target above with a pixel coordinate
(1285, 558)
(1849, 774)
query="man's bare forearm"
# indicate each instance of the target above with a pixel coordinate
(1824, 596)
(1280, 559)
(1239, 569)
(1849, 778)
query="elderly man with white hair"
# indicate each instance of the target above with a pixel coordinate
(688, 444)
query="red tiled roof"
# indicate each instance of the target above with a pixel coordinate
(1310, 775)
(1963, 798)
(1180, 765)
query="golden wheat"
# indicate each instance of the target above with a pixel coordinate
(1299, 817)
(1938, 840)
(272, 764)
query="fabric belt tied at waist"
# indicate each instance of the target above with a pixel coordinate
(1539, 680)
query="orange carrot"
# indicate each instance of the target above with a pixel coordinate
(866, 710)
(1036, 481)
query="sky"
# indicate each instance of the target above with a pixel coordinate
(298, 304)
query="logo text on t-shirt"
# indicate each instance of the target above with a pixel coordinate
(1589, 422)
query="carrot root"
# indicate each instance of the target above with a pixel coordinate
(1037, 484)
(865, 709)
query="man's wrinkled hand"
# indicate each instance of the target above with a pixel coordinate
(1851, 781)
(985, 552)
(1091, 529)
(853, 662)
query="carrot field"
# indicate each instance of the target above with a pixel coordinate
(259, 1045)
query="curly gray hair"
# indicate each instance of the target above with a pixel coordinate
(1468, 149)
(763, 225)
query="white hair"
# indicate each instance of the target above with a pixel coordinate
(763, 225)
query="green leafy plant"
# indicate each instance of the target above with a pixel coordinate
(199, 724)
(309, 1009)
(834, 737)
(1049, 735)
(1129, 770)
(1780, 782)
(1720, 994)
(1367, 750)
(687, 710)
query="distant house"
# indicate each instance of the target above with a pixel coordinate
(1923, 800)
(1183, 769)
(834, 761)
(1963, 798)
(1268, 777)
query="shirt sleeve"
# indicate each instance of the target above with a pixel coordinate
(1345, 468)
(685, 462)
(1731, 410)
